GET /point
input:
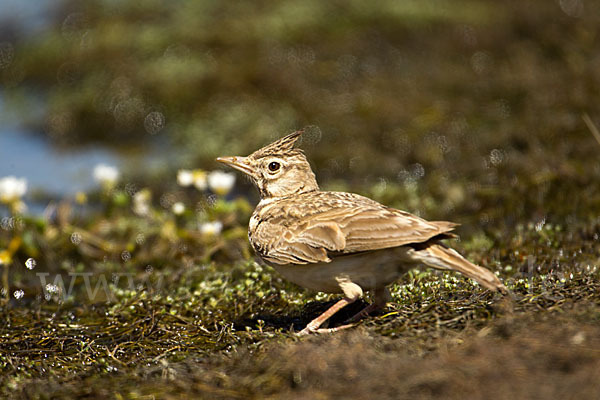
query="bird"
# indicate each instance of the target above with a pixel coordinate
(339, 242)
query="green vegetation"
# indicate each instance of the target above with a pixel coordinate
(467, 111)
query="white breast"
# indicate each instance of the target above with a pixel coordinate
(368, 270)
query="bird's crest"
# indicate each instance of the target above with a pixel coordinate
(283, 146)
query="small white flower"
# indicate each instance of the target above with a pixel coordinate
(185, 177)
(200, 179)
(196, 177)
(178, 208)
(30, 263)
(210, 229)
(12, 189)
(141, 202)
(106, 175)
(221, 182)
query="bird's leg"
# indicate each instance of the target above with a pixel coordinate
(352, 292)
(313, 326)
(382, 296)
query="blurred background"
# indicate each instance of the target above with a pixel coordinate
(456, 96)
(476, 111)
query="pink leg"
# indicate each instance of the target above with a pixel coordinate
(313, 326)
(382, 296)
(363, 313)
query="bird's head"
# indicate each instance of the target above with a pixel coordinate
(277, 170)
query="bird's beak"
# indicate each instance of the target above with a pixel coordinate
(239, 163)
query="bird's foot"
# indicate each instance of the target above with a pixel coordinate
(363, 313)
(309, 329)
(313, 326)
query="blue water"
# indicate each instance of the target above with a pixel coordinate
(30, 155)
(31, 16)
(46, 168)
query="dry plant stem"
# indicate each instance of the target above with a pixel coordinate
(592, 127)
(6, 296)
(92, 239)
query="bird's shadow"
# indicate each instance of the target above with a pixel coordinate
(296, 321)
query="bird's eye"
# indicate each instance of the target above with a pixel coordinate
(274, 166)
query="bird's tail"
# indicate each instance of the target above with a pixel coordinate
(441, 257)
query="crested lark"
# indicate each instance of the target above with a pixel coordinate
(339, 242)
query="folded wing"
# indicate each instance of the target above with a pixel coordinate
(345, 228)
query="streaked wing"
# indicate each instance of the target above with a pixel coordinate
(383, 228)
(275, 244)
(344, 225)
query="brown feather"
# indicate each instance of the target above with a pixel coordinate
(335, 241)
(336, 222)
(441, 257)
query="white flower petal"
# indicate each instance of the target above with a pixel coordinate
(178, 208)
(106, 174)
(200, 179)
(185, 177)
(141, 202)
(221, 182)
(210, 229)
(12, 189)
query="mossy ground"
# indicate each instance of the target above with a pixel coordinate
(226, 331)
(472, 117)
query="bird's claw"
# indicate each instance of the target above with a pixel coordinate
(310, 329)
